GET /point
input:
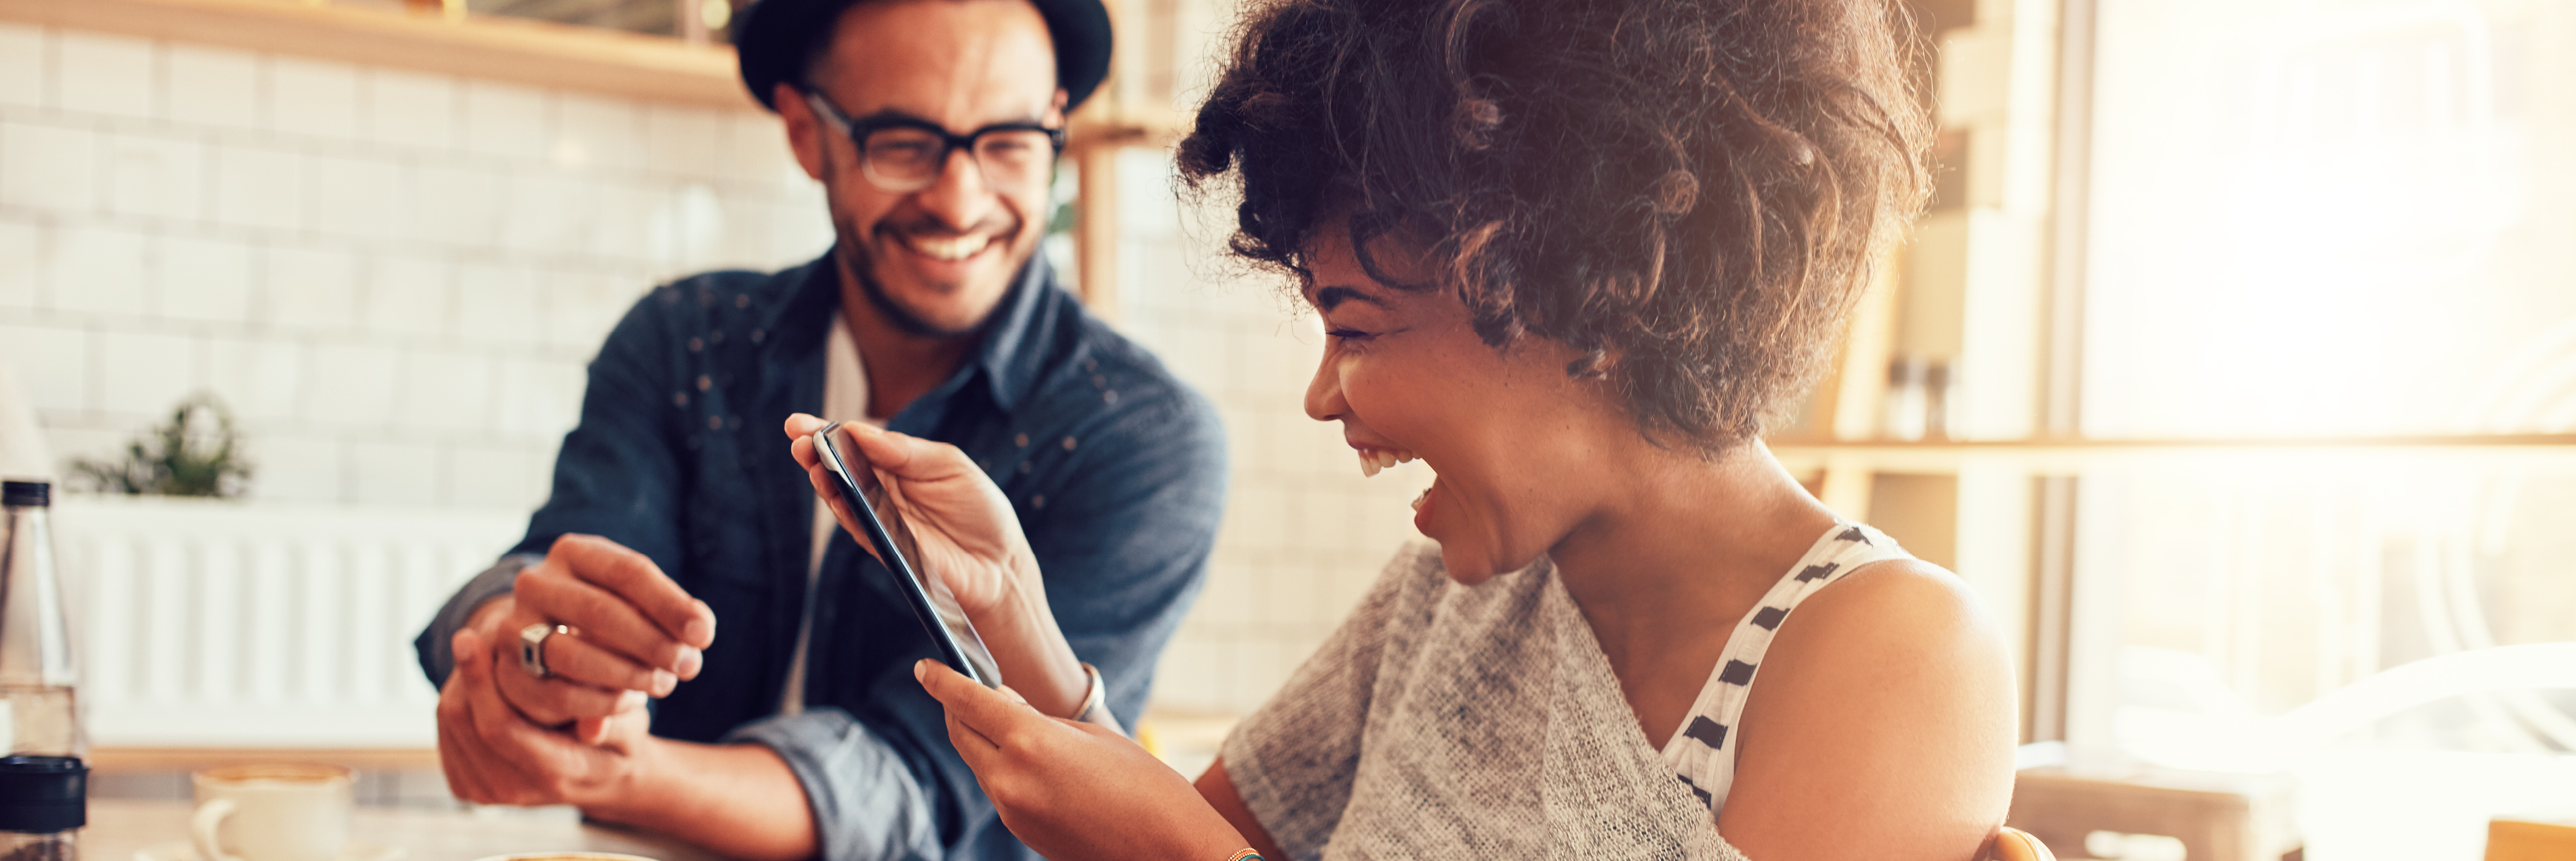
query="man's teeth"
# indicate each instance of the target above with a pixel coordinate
(956, 248)
(1374, 460)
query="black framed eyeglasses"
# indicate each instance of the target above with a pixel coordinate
(904, 154)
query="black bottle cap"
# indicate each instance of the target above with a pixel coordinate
(26, 493)
(43, 794)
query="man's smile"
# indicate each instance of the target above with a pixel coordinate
(948, 248)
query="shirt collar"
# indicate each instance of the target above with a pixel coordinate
(1021, 333)
(1017, 337)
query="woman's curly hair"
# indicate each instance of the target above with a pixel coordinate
(1690, 193)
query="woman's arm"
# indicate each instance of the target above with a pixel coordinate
(1075, 791)
(1219, 792)
(1881, 726)
(967, 533)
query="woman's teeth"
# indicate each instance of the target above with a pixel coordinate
(1373, 460)
(1419, 497)
(957, 248)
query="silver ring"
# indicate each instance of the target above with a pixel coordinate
(532, 647)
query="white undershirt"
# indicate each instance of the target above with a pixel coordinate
(845, 399)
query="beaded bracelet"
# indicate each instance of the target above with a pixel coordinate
(1246, 854)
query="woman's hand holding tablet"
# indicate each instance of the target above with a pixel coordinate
(1074, 790)
(969, 541)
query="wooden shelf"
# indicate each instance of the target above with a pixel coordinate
(1103, 124)
(520, 51)
(1865, 457)
(2081, 444)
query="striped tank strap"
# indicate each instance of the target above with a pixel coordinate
(1700, 753)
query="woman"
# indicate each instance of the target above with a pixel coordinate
(1574, 256)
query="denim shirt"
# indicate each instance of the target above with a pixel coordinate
(1116, 468)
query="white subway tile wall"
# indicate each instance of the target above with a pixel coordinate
(48, 167)
(22, 65)
(407, 109)
(211, 87)
(140, 373)
(155, 177)
(108, 264)
(64, 357)
(203, 279)
(18, 264)
(394, 279)
(258, 188)
(116, 73)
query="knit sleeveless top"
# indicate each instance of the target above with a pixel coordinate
(1701, 753)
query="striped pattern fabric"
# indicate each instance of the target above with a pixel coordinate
(1699, 753)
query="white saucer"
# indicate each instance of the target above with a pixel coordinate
(182, 850)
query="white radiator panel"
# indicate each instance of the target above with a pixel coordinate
(215, 624)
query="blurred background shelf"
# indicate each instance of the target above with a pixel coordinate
(518, 49)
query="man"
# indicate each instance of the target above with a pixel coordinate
(933, 127)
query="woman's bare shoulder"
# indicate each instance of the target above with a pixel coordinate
(1894, 628)
(1897, 597)
(1889, 691)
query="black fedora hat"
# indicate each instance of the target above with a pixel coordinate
(777, 37)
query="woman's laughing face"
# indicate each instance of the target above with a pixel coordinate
(1506, 431)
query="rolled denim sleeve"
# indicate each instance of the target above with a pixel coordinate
(494, 582)
(867, 804)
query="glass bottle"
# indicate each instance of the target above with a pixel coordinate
(37, 712)
(44, 801)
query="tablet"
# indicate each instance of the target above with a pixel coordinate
(932, 604)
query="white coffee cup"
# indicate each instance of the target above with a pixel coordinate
(272, 813)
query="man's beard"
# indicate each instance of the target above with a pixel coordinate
(859, 259)
(856, 260)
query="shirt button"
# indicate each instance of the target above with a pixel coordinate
(696, 345)
(1068, 443)
(757, 335)
(705, 382)
(1039, 502)
(679, 399)
(742, 300)
(1024, 467)
(715, 423)
(1022, 440)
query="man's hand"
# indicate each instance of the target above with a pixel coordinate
(494, 755)
(506, 736)
(738, 799)
(634, 633)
